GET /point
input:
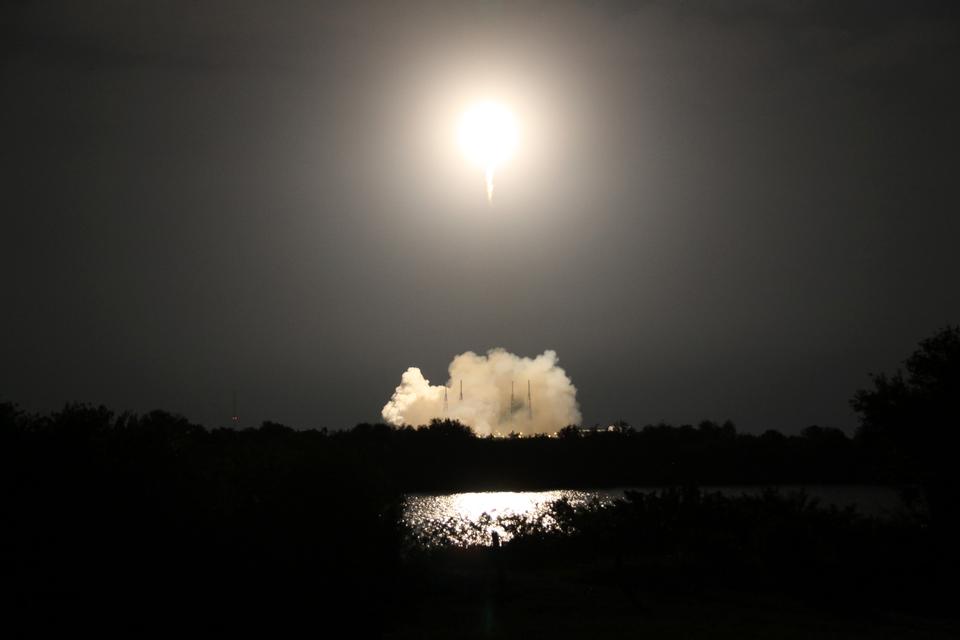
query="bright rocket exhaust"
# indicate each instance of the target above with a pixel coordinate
(488, 137)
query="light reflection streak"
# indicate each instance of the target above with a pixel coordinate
(466, 519)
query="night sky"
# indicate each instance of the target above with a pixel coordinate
(716, 210)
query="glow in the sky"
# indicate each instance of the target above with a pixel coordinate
(488, 137)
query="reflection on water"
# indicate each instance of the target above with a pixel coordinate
(470, 518)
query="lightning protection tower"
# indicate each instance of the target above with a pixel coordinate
(529, 402)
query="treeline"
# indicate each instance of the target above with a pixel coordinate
(446, 455)
(136, 510)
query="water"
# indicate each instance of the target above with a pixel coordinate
(471, 518)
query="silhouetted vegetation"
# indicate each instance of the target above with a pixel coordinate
(914, 417)
(134, 509)
(446, 456)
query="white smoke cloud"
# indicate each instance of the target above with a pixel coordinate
(486, 403)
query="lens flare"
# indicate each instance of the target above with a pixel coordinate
(488, 137)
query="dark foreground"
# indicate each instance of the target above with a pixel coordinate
(684, 564)
(152, 523)
(464, 595)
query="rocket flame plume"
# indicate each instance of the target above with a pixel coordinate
(488, 136)
(486, 402)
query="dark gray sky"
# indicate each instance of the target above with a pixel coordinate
(717, 209)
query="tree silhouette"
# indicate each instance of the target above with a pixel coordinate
(448, 429)
(569, 431)
(917, 412)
